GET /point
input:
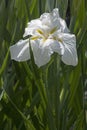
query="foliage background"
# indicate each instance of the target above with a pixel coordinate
(52, 97)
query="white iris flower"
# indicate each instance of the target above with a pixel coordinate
(49, 34)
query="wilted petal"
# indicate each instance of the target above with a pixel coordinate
(70, 54)
(20, 51)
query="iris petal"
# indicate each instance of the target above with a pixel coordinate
(63, 26)
(42, 52)
(20, 51)
(32, 26)
(70, 54)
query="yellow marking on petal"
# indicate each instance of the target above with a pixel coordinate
(58, 39)
(40, 31)
(53, 30)
(34, 38)
(44, 39)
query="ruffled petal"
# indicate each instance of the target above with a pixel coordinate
(70, 54)
(50, 19)
(20, 51)
(63, 26)
(55, 12)
(32, 26)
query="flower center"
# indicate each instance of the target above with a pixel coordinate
(46, 36)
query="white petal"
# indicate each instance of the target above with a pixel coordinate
(44, 16)
(55, 46)
(20, 51)
(50, 19)
(41, 53)
(58, 48)
(63, 26)
(70, 54)
(33, 25)
(55, 12)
